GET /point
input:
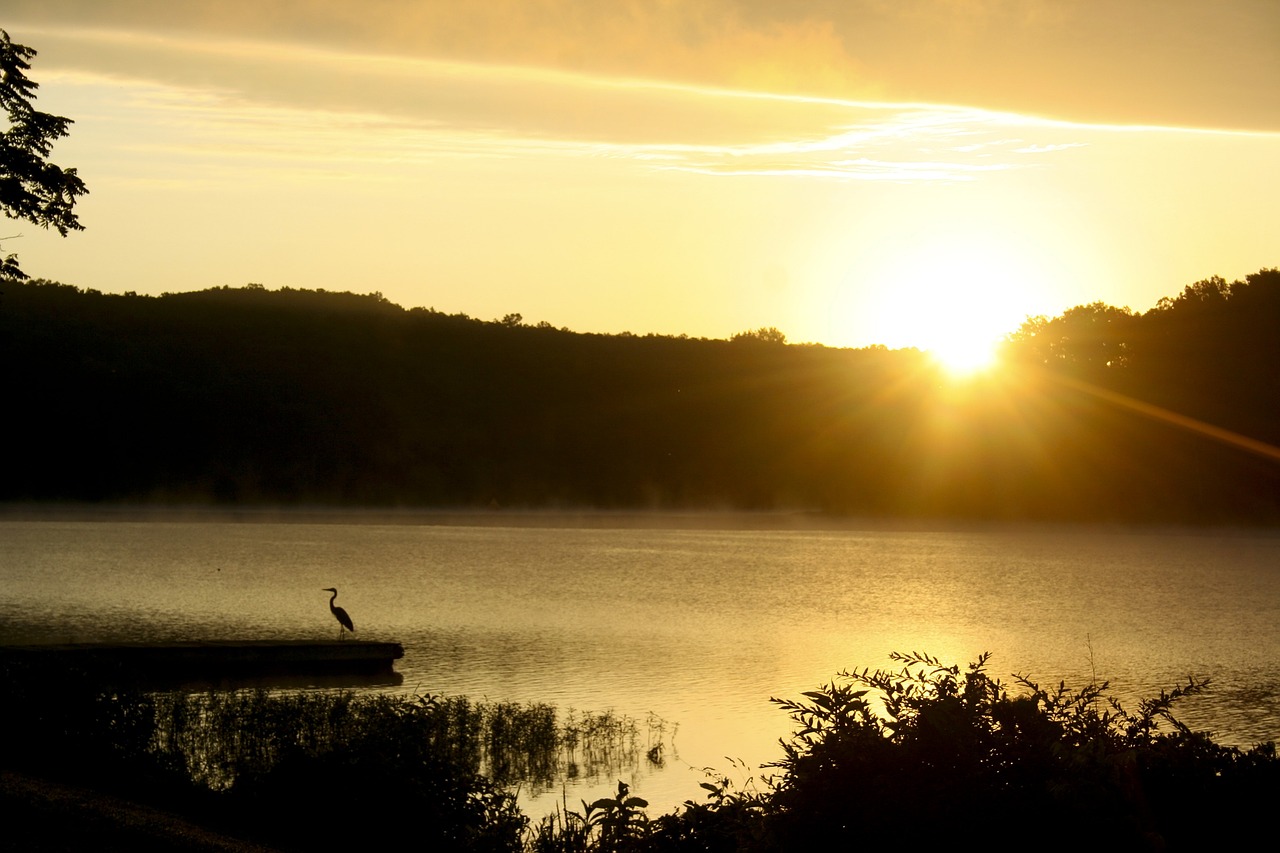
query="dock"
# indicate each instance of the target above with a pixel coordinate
(230, 664)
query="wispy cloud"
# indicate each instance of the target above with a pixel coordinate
(1071, 60)
(235, 106)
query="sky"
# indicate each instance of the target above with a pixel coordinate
(919, 173)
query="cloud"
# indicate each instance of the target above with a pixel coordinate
(1155, 62)
(235, 105)
(528, 100)
(312, 112)
(710, 42)
(1044, 149)
(1170, 62)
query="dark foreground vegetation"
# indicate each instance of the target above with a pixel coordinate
(248, 396)
(929, 754)
(297, 770)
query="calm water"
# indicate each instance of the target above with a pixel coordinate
(698, 626)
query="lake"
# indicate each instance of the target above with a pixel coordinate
(696, 619)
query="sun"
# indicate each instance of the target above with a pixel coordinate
(954, 299)
(965, 356)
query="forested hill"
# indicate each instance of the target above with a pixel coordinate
(244, 395)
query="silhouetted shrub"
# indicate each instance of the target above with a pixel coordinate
(929, 753)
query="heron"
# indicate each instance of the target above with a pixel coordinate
(344, 621)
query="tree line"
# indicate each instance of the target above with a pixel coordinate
(291, 397)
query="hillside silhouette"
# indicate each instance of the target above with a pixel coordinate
(247, 396)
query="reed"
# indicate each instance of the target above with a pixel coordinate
(215, 738)
(243, 757)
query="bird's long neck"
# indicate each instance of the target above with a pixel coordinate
(333, 598)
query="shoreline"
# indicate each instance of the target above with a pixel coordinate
(571, 518)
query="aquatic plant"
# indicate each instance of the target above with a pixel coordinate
(597, 745)
(217, 737)
(609, 824)
(245, 758)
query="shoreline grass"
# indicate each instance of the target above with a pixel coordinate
(916, 757)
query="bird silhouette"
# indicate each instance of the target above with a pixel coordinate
(344, 621)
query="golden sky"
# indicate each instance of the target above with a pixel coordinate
(856, 172)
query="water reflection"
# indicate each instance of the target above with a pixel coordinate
(699, 627)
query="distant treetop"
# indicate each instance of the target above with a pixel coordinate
(764, 334)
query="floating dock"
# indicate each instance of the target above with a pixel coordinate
(229, 664)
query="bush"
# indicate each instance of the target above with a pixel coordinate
(930, 754)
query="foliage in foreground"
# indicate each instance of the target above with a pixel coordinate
(930, 751)
(927, 754)
(931, 754)
(297, 769)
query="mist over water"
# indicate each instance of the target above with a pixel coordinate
(697, 624)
